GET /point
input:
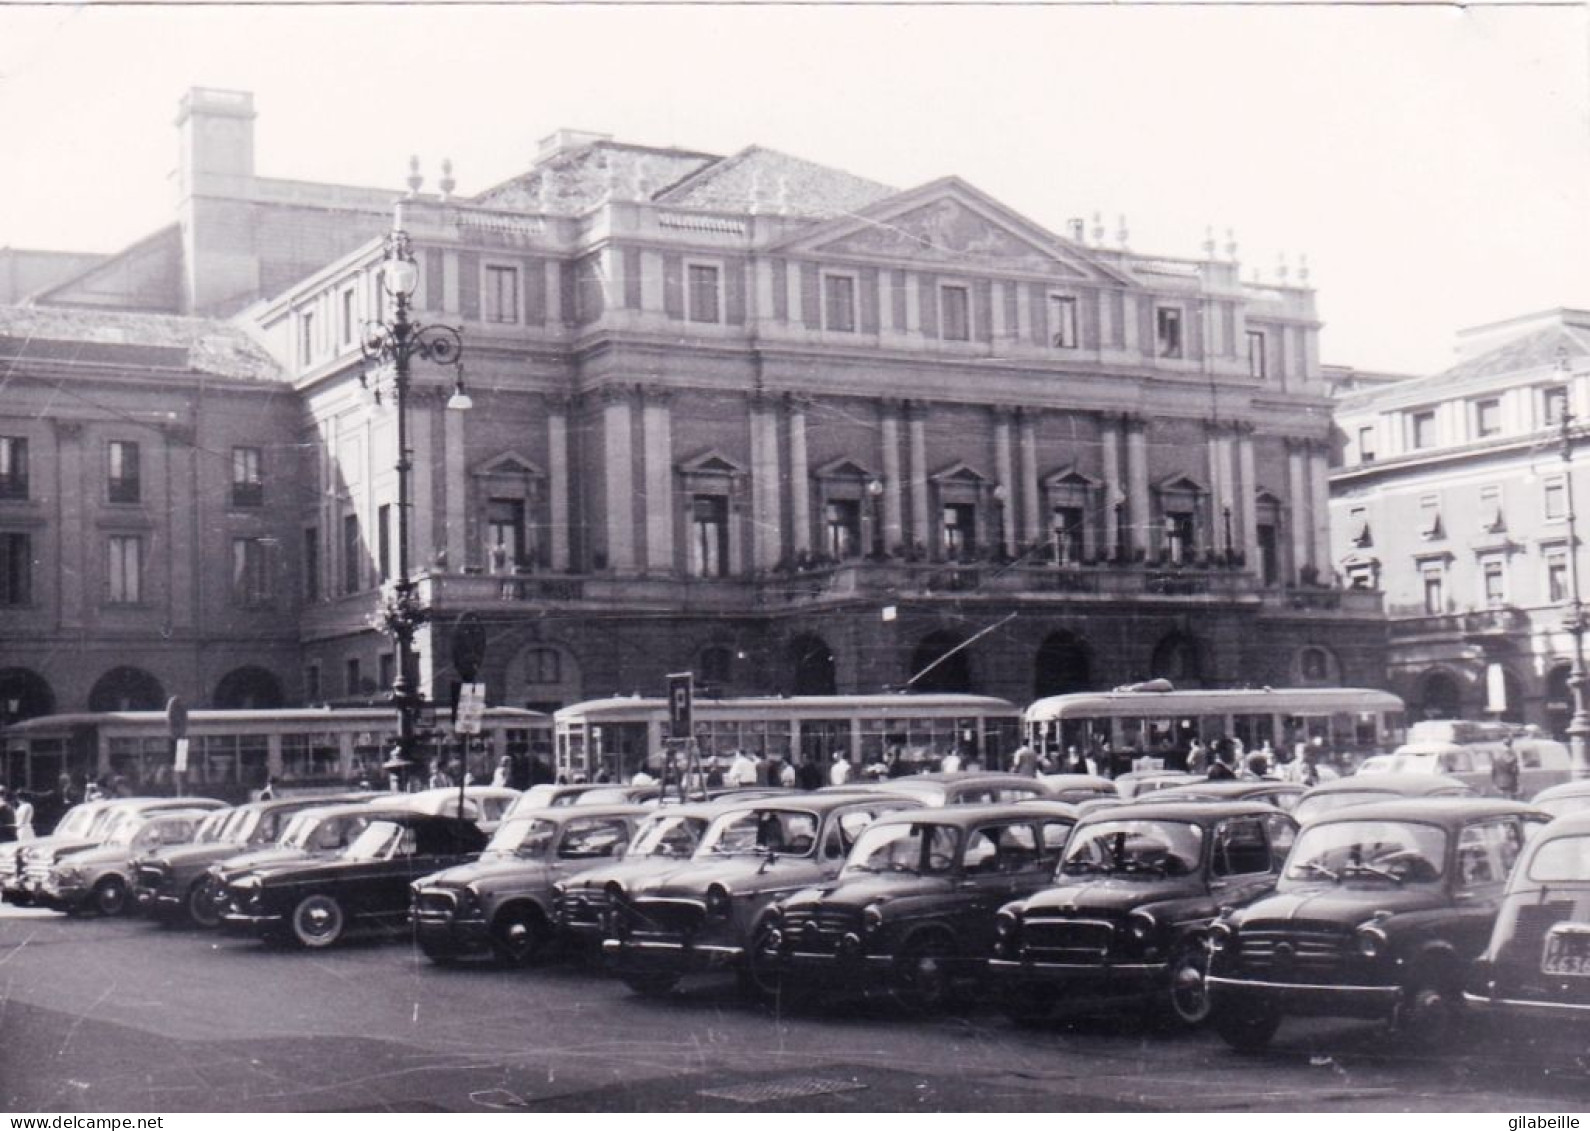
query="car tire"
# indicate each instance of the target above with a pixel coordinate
(1186, 1001)
(920, 980)
(761, 977)
(1431, 1015)
(651, 985)
(520, 935)
(317, 921)
(201, 904)
(110, 897)
(1247, 1029)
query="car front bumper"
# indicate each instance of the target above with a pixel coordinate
(1308, 999)
(673, 955)
(448, 934)
(1082, 982)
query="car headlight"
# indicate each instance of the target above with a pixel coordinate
(1222, 937)
(468, 900)
(1372, 942)
(1141, 925)
(1006, 924)
(717, 902)
(872, 919)
(66, 874)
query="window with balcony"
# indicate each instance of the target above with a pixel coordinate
(16, 568)
(1492, 517)
(502, 294)
(506, 530)
(124, 483)
(1433, 578)
(839, 303)
(251, 573)
(842, 529)
(1167, 331)
(248, 477)
(1553, 404)
(13, 467)
(1557, 581)
(709, 536)
(703, 293)
(1366, 444)
(1493, 582)
(125, 560)
(959, 531)
(352, 555)
(1256, 361)
(1068, 530)
(1181, 536)
(1421, 430)
(955, 313)
(1063, 322)
(1487, 418)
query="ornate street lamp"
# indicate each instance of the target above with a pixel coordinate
(1574, 619)
(393, 346)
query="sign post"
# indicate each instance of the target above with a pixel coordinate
(681, 729)
(466, 722)
(177, 728)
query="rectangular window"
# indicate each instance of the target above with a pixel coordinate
(1366, 444)
(1167, 331)
(502, 294)
(839, 303)
(1068, 535)
(387, 669)
(1487, 418)
(704, 293)
(1256, 354)
(709, 536)
(960, 531)
(842, 524)
(126, 562)
(16, 568)
(348, 320)
(1358, 526)
(1422, 429)
(312, 683)
(306, 337)
(248, 477)
(955, 313)
(1434, 590)
(1063, 322)
(505, 534)
(1492, 517)
(311, 563)
(1555, 497)
(124, 482)
(352, 572)
(352, 679)
(251, 575)
(1554, 404)
(1495, 582)
(1557, 587)
(383, 540)
(13, 467)
(1180, 536)
(1430, 517)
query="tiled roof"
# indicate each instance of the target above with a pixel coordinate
(578, 179)
(1533, 351)
(803, 188)
(200, 345)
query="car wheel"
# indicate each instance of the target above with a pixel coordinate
(651, 985)
(317, 921)
(1187, 994)
(110, 896)
(1246, 1028)
(1431, 1014)
(921, 976)
(520, 935)
(202, 907)
(761, 977)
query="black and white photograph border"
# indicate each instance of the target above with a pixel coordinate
(793, 557)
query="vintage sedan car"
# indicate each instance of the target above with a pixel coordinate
(913, 910)
(1345, 792)
(703, 916)
(1138, 887)
(39, 856)
(76, 824)
(1380, 911)
(1136, 784)
(962, 788)
(502, 903)
(486, 805)
(100, 878)
(1281, 794)
(1536, 968)
(175, 883)
(1560, 800)
(314, 902)
(1078, 787)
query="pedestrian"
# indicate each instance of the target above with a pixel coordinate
(951, 763)
(24, 809)
(1220, 766)
(1504, 770)
(8, 817)
(540, 772)
(439, 778)
(602, 776)
(504, 771)
(840, 773)
(1197, 757)
(742, 770)
(268, 793)
(714, 773)
(642, 778)
(810, 775)
(1024, 761)
(786, 774)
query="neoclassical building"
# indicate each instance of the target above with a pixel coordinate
(1450, 495)
(778, 424)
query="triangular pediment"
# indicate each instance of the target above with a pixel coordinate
(1264, 497)
(509, 464)
(1184, 484)
(951, 225)
(711, 462)
(1069, 476)
(958, 472)
(842, 468)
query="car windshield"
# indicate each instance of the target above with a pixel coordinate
(213, 829)
(76, 823)
(241, 828)
(1396, 851)
(104, 823)
(614, 796)
(298, 830)
(524, 836)
(1330, 802)
(673, 836)
(913, 848)
(788, 832)
(536, 797)
(381, 840)
(124, 832)
(1134, 848)
(1563, 859)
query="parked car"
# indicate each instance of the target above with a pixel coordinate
(315, 901)
(1560, 800)
(1281, 794)
(319, 831)
(502, 903)
(1536, 967)
(1542, 762)
(702, 916)
(486, 805)
(1135, 784)
(176, 882)
(78, 822)
(1138, 887)
(1343, 793)
(975, 788)
(546, 796)
(1380, 911)
(666, 840)
(913, 909)
(40, 856)
(99, 878)
(1077, 787)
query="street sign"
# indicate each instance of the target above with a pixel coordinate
(469, 646)
(176, 717)
(681, 696)
(471, 708)
(182, 756)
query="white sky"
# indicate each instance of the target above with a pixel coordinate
(1432, 163)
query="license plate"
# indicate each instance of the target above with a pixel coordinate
(1567, 952)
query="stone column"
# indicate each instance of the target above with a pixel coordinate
(920, 530)
(1248, 498)
(455, 488)
(557, 480)
(1114, 494)
(766, 521)
(72, 556)
(889, 438)
(800, 488)
(619, 478)
(1319, 503)
(1031, 518)
(1004, 469)
(1139, 513)
(657, 424)
(1297, 501)
(1219, 497)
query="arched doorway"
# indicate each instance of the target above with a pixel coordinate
(938, 667)
(127, 689)
(1559, 701)
(1439, 696)
(24, 694)
(248, 689)
(813, 661)
(1063, 665)
(1179, 657)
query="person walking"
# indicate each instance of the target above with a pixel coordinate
(840, 773)
(504, 771)
(24, 809)
(8, 817)
(1504, 770)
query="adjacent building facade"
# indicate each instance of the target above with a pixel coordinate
(791, 429)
